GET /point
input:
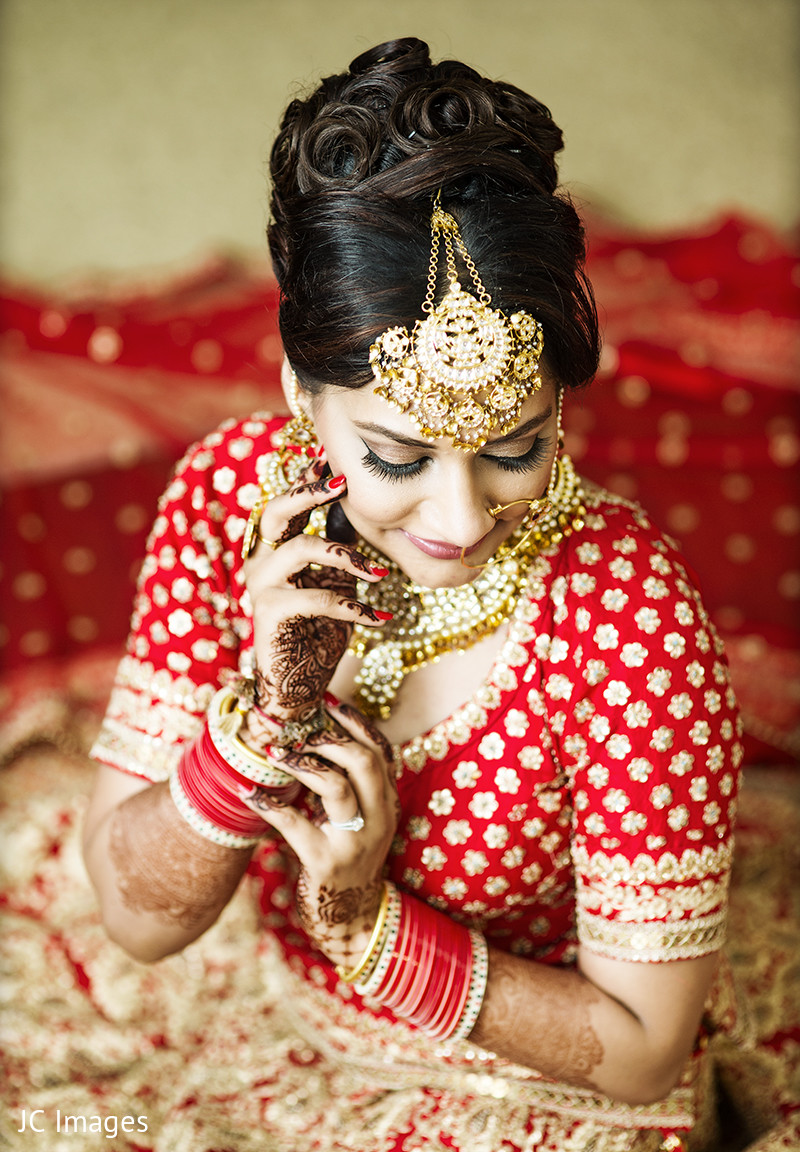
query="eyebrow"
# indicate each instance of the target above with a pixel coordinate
(409, 442)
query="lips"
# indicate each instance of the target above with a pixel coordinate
(439, 549)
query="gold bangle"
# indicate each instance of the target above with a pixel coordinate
(354, 973)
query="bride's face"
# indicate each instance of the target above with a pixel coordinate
(420, 502)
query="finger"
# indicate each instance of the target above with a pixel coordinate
(285, 516)
(357, 749)
(295, 556)
(311, 603)
(298, 831)
(327, 781)
(357, 724)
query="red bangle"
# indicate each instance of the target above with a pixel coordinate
(205, 790)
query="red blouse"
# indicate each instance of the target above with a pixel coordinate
(585, 793)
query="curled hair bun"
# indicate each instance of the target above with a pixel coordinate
(354, 169)
(392, 105)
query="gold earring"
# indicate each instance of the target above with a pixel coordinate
(293, 396)
(297, 446)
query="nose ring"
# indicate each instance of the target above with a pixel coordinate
(535, 507)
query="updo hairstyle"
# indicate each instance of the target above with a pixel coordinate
(355, 168)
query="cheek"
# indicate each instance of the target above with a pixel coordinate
(370, 499)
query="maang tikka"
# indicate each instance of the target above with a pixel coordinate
(466, 369)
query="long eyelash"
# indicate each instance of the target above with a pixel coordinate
(393, 472)
(529, 460)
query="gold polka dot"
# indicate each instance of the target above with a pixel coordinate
(633, 391)
(579, 419)
(753, 246)
(694, 353)
(82, 628)
(784, 449)
(672, 451)
(736, 486)
(740, 548)
(575, 444)
(29, 586)
(79, 561)
(34, 643)
(31, 527)
(105, 345)
(206, 356)
(609, 360)
(682, 518)
(630, 262)
(737, 402)
(729, 618)
(131, 518)
(623, 484)
(674, 424)
(786, 519)
(269, 350)
(75, 494)
(789, 585)
(124, 453)
(52, 324)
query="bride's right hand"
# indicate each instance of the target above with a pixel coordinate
(303, 616)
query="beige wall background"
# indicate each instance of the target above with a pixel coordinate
(133, 132)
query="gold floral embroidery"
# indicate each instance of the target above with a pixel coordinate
(653, 942)
(150, 716)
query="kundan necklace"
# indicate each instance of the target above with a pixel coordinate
(428, 622)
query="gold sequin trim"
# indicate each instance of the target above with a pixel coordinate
(655, 941)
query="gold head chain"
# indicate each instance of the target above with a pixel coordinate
(466, 369)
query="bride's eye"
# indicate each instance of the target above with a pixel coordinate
(531, 459)
(388, 471)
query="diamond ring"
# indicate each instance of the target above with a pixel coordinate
(354, 824)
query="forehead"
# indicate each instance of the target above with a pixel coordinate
(361, 406)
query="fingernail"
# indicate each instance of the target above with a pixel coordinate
(376, 570)
(335, 482)
(384, 615)
(331, 700)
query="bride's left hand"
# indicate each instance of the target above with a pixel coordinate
(350, 768)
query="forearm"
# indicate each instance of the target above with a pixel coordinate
(160, 884)
(560, 1023)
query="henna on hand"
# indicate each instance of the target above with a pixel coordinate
(166, 869)
(332, 917)
(304, 653)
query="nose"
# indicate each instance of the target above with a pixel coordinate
(458, 508)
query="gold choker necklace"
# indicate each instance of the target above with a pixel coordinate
(428, 622)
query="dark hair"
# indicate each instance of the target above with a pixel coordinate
(355, 168)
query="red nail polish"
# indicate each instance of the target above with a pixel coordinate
(331, 700)
(336, 482)
(376, 570)
(384, 615)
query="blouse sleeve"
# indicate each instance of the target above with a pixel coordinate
(649, 738)
(189, 622)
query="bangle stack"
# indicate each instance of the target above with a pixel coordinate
(426, 968)
(216, 771)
